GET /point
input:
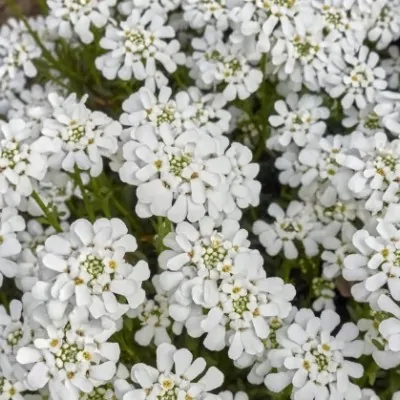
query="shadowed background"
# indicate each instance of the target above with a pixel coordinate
(28, 6)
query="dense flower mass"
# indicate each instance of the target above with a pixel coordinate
(200, 200)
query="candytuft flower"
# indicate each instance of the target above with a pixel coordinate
(90, 270)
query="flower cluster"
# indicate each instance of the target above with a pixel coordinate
(200, 200)
(219, 287)
(181, 170)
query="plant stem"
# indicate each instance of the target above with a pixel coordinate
(3, 299)
(126, 214)
(86, 200)
(104, 201)
(51, 217)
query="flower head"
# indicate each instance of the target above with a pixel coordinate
(138, 47)
(176, 376)
(21, 164)
(91, 270)
(10, 224)
(69, 17)
(313, 359)
(76, 137)
(72, 357)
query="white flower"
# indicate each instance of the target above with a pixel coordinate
(291, 170)
(10, 246)
(125, 7)
(90, 269)
(329, 207)
(349, 27)
(138, 47)
(392, 67)
(370, 8)
(8, 88)
(232, 310)
(298, 224)
(71, 358)
(21, 165)
(248, 306)
(12, 378)
(200, 13)
(299, 119)
(54, 190)
(388, 355)
(336, 251)
(33, 106)
(205, 112)
(17, 50)
(180, 177)
(321, 158)
(154, 318)
(376, 262)
(259, 363)
(369, 394)
(299, 53)
(323, 290)
(388, 109)
(144, 108)
(215, 62)
(314, 360)
(255, 18)
(197, 260)
(386, 27)
(366, 120)
(227, 395)
(376, 164)
(76, 137)
(374, 342)
(14, 331)
(202, 264)
(240, 319)
(110, 390)
(32, 241)
(71, 16)
(176, 376)
(206, 252)
(244, 190)
(355, 78)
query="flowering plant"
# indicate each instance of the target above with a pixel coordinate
(200, 200)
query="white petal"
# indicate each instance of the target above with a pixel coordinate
(103, 372)
(212, 379)
(38, 376)
(27, 355)
(182, 359)
(165, 359)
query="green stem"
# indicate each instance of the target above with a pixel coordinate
(86, 200)
(162, 227)
(127, 214)
(286, 269)
(4, 300)
(51, 217)
(104, 201)
(179, 81)
(266, 103)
